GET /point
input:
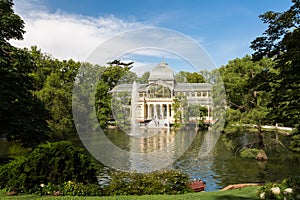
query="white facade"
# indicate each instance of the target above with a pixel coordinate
(155, 99)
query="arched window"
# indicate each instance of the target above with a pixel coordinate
(158, 91)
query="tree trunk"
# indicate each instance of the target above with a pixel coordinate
(261, 144)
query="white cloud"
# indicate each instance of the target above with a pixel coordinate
(66, 36)
(70, 36)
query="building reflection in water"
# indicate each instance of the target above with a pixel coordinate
(158, 148)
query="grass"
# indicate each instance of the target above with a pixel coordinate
(248, 193)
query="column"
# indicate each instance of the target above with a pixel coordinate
(168, 113)
(208, 112)
(154, 110)
(148, 111)
(161, 110)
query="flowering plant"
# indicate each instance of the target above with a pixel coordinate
(288, 189)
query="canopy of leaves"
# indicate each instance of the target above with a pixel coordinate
(22, 114)
(281, 40)
(189, 77)
(11, 25)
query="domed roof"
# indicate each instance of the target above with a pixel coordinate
(161, 72)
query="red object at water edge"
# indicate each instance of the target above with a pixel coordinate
(198, 186)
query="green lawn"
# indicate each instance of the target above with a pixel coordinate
(248, 193)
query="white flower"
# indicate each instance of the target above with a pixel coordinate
(275, 190)
(42, 185)
(262, 195)
(288, 190)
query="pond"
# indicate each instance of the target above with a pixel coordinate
(224, 166)
(221, 167)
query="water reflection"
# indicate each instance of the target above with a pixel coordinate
(157, 149)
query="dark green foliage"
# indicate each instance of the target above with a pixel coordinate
(247, 93)
(279, 24)
(22, 114)
(288, 189)
(53, 163)
(103, 103)
(295, 139)
(57, 96)
(285, 100)
(162, 182)
(244, 89)
(11, 25)
(281, 41)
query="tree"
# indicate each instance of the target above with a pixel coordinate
(11, 25)
(103, 103)
(195, 78)
(180, 107)
(110, 76)
(248, 94)
(245, 82)
(144, 78)
(22, 114)
(189, 77)
(281, 41)
(121, 110)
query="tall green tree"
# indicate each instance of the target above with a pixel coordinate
(57, 96)
(11, 25)
(281, 41)
(22, 114)
(247, 93)
(110, 76)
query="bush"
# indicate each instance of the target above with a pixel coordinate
(69, 189)
(53, 163)
(295, 139)
(249, 153)
(161, 182)
(288, 189)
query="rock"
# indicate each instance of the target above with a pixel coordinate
(58, 193)
(242, 185)
(12, 193)
(261, 156)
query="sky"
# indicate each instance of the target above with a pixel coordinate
(73, 29)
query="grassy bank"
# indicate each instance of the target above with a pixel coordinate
(248, 193)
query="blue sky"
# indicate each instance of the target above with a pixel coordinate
(73, 28)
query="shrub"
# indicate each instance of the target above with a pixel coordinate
(161, 182)
(295, 139)
(249, 153)
(53, 163)
(288, 189)
(70, 188)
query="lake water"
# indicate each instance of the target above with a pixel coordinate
(224, 166)
(221, 167)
